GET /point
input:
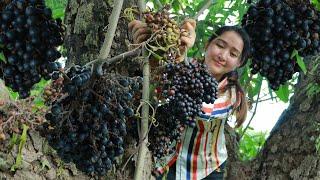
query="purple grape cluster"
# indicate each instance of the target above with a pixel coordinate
(29, 37)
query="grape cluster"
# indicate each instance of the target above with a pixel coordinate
(88, 125)
(165, 40)
(186, 87)
(29, 37)
(181, 92)
(277, 29)
(164, 137)
(53, 91)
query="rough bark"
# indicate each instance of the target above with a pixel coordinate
(290, 150)
(86, 22)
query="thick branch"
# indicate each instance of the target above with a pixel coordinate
(145, 111)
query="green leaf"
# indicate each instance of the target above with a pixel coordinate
(57, 7)
(258, 83)
(283, 93)
(176, 5)
(294, 53)
(301, 64)
(23, 140)
(13, 140)
(2, 57)
(299, 60)
(316, 4)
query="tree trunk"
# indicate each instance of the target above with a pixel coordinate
(290, 150)
(87, 21)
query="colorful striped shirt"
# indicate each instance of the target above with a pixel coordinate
(202, 148)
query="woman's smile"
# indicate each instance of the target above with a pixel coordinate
(218, 64)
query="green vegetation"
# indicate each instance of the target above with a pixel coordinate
(251, 143)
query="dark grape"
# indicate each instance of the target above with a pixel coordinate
(22, 23)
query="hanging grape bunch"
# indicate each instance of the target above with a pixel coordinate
(87, 126)
(29, 37)
(277, 29)
(181, 92)
(165, 39)
(53, 91)
(164, 137)
(186, 87)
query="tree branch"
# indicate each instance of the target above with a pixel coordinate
(122, 56)
(138, 174)
(206, 6)
(109, 35)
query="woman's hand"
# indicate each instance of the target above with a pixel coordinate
(188, 33)
(222, 85)
(140, 31)
(188, 37)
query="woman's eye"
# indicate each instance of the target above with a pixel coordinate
(219, 45)
(234, 55)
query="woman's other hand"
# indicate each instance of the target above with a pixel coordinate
(140, 31)
(222, 85)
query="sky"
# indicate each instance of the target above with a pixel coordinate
(266, 115)
(267, 112)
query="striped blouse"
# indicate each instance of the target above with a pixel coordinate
(202, 148)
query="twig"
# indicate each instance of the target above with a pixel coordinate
(248, 82)
(137, 149)
(109, 35)
(206, 6)
(122, 56)
(253, 114)
(262, 100)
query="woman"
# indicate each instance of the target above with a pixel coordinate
(202, 152)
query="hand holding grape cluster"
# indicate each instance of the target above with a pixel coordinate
(181, 87)
(165, 39)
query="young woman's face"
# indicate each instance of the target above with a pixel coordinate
(223, 54)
